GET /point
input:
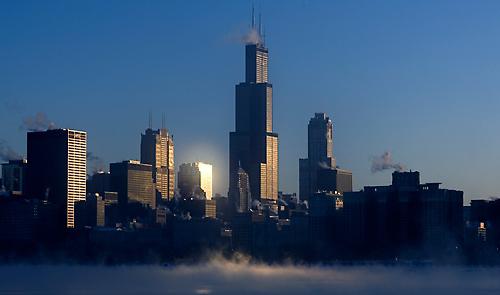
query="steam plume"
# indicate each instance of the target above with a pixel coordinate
(96, 162)
(7, 153)
(252, 37)
(385, 162)
(39, 122)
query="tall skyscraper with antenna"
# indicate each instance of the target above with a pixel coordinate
(254, 145)
(157, 150)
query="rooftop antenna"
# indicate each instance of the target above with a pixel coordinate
(260, 24)
(263, 36)
(163, 120)
(253, 17)
(150, 120)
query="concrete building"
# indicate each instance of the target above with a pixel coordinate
(57, 169)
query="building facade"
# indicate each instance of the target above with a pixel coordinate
(133, 182)
(319, 172)
(403, 217)
(241, 192)
(157, 150)
(254, 145)
(195, 179)
(57, 168)
(14, 176)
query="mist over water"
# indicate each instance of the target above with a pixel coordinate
(221, 276)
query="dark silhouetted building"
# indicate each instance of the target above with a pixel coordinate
(99, 183)
(57, 166)
(403, 217)
(253, 145)
(319, 171)
(133, 182)
(157, 150)
(334, 180)
(14, 176)
(91, 212)
(26, 221)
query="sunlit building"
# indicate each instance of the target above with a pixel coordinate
(241, 192)
(57, 168)
(195, 180)
(157, 150)
(253, 145)
(133, 182)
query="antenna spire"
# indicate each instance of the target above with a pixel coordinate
(260, 24)
(253, 16)
(163, 120)
(150, 120)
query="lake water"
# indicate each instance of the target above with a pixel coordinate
(229, 277)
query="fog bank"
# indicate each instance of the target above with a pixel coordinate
(231, 277)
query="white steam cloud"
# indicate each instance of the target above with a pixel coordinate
(252, 37)
(39, 122)
(385, 162)
(7, 153)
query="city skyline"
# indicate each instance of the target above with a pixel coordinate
(383, 119)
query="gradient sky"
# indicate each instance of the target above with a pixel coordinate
(418, 78)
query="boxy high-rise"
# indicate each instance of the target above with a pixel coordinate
(57, 169)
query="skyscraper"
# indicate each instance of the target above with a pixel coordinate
(157, 150)
(57, 169)
(318, 171)
(194, 177)
(241, 193)
(133, 182)
(253, 146)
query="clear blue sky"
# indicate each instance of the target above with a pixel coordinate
(418, 78)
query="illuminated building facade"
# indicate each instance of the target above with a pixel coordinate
(253, 145)
(157, 150)
(133, 182)
(195, 179)
(57, 168)
(241, 194)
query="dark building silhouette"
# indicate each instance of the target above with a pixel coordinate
(484, 222)
(403, 217)
(14, 176)
(99, 183)
(318, 172)
(133, 182)
(26, 221)
(333, 180)
(91, 212)
(157, 150)
(253, 145)
(57, 161)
